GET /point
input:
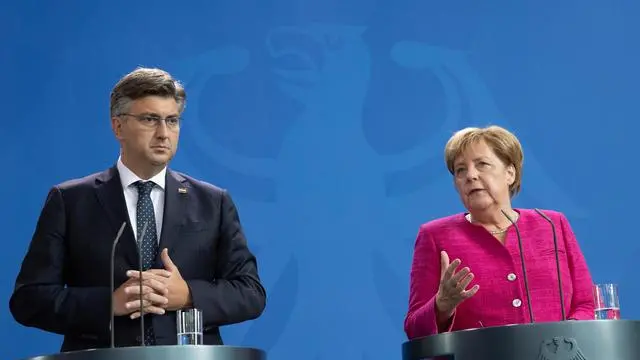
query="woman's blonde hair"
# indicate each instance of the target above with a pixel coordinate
(504, 144)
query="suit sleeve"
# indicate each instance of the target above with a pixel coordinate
(40, 298)
(236, 294)
(582, 302)
(421, 320)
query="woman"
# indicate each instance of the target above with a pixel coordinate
(467, 269)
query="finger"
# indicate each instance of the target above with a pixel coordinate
(156, 299)
(148, 310)
(452, 268)
(148, 294)
(154, 310)
(166, 260)
(469, 293)
(157, 285)
(135, 290)
(148, 286)
(149, 274)
(133, 275)
(460, 274)
(462, 285)
(160, 272)
(135, 304)
(444, 262)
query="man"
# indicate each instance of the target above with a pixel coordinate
(194, 250)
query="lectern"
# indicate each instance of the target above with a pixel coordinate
(565, 340)
(182, 352)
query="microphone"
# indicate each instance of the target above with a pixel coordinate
(555, 248)
(524, 269)
(112, 272)
(144, 232)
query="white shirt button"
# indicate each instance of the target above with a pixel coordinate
(511, 277)
(516, 302)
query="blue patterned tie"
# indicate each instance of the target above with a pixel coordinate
(148, 245)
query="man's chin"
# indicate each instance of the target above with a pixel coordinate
(160, 160)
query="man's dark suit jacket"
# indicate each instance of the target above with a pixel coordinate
(64, 282)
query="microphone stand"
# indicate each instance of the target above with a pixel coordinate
(144, 232)
(555, 247)
(112, 329)
(524, 269)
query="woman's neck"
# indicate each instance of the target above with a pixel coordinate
(494, 218)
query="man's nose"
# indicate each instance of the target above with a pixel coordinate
(162, 131)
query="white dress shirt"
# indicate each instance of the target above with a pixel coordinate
(128, 178)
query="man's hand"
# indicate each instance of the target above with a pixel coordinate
(126, 298)
(177, 295)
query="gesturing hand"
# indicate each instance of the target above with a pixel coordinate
(453, 285)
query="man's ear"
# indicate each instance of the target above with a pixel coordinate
(116, 126)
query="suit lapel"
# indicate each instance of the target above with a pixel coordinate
(111, 197)
(175, 204)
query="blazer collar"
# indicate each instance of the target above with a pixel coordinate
(111, 196)
(176, 197)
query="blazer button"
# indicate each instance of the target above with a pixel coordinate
(516, 302)
(511, 277)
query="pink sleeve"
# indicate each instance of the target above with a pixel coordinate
(424, 281)
(582, 302)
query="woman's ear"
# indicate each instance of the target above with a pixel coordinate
(511, 174)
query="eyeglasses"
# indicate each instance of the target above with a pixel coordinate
(153, 121)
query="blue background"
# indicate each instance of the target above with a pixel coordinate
(326, 120)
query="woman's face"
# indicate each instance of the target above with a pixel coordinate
(482, 179)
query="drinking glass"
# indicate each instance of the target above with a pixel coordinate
(607, 302)
(189, 326)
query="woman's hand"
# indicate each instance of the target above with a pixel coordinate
(453, 285)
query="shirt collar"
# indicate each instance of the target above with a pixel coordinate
(127, 177)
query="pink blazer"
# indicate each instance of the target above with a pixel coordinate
(501, 299)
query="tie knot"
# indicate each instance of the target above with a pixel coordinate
(145, 187)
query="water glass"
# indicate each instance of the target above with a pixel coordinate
(189, 326)
(607, 302)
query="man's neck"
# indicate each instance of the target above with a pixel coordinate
(143, 172)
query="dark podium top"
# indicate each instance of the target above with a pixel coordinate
(173, 352)
(564, 340)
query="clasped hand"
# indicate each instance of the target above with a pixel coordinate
(162, 290)
(453, 285)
